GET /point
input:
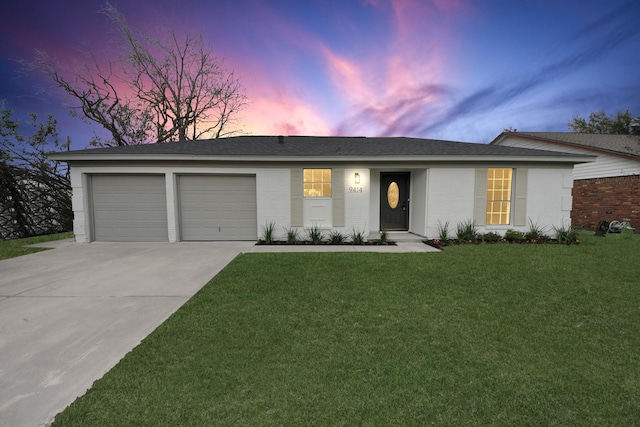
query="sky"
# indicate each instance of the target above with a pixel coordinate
(460, 70)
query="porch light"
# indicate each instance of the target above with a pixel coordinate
(357, 178)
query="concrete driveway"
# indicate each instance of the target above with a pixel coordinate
(68, 315)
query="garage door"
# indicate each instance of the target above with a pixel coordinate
(129, 208)
(217, 207)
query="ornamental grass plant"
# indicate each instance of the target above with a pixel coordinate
(466, 231)
(293, 235)
(315, 234)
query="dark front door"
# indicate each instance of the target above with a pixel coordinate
(394, 201)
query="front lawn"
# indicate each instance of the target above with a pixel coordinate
(476, 335)
(17, 247)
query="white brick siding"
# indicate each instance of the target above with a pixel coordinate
(274, 199)
(438, 194)
(450, 197)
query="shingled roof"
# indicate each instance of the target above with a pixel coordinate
(627, 145)
(269, 147)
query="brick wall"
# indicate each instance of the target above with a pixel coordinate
(606, 199)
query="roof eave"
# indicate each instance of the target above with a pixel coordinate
(565, 144)
(71, 157)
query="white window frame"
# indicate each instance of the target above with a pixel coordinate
(322, 183)
(492, 202)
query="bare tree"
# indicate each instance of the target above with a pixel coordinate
(127, 120)
(173, 89)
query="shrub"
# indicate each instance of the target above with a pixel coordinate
(316, 235)
(491, 237)
(268, 232)
(536, 234)
(443, 231)
(336, 237)
(384, 237)
(514, 236)
(358, 237)
(566, 235)
(293, 235)
(467, 231)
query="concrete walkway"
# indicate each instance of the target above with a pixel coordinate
(68, 315)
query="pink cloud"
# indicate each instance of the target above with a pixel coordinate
(349, 77)
(418, 22)
(402, 83)
(276, 113)
(397, 85)
(376, 91)
(286, 101)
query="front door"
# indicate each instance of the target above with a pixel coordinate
(394, 200)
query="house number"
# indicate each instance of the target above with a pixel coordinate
(355, 189)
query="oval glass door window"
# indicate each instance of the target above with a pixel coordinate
(393, 195)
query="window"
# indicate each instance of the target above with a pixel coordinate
(317, 182)
(499, 195)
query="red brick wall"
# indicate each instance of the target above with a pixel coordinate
(606, 199)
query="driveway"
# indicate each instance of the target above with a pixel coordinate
(68, 315)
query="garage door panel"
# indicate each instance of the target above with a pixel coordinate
(129, 208)
(217, 207)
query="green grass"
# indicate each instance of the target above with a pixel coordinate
(16, 247)
(476, 335)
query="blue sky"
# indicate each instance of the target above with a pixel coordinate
(458, 70)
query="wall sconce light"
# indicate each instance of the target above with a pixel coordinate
(357, 178)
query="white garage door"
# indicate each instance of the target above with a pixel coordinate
(217, 207)
(129, 208)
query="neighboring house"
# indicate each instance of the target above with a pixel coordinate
(228, 189)
(606, 189)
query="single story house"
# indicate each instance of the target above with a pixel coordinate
(229, 189)
(606, 189)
